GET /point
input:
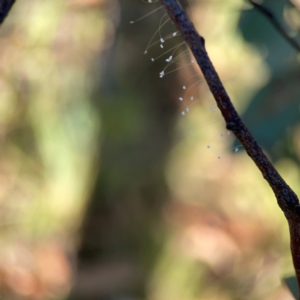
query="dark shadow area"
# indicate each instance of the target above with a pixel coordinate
(122, 231)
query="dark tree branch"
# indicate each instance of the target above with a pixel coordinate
(5, 6)
(267, 13)
(286, 198)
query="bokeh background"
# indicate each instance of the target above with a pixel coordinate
(107, 190)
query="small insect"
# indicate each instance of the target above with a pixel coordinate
(5, 6)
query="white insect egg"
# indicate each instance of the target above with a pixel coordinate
(161, 46)
(180, 98)
(162, 40)
(183, 113)
(187, 109)
(236, 149)
(184, 87)
(169, 59)
(174, 33)
(192, 98)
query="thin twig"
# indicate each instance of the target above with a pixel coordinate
(267, 13)
(5, 6)
(286, 198)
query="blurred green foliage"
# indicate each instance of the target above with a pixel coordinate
(274, 110)
(98, 164)
(48, 139)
